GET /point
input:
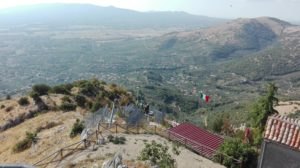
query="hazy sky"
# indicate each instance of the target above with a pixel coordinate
(284, 9)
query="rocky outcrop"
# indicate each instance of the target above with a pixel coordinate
(115, 162)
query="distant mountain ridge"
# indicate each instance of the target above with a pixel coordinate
(257, 50)
(237, 37)
(85, 14)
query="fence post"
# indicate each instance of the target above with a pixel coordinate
(116, 128)
(97, 135)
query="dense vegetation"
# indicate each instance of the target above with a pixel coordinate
(238, 154)
(238, 151)
(89, 94)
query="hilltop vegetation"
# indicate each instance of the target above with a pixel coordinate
(83, 95)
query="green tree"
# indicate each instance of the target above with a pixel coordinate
(272, 91)
(263, 108)
(158, 154)
(235, 154)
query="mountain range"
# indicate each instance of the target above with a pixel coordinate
(85, 14)
(229, 60)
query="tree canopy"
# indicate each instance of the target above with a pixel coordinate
(234, 154)
(264, 107)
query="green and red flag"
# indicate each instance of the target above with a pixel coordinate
(204, 97)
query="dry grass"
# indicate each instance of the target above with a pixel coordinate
(49, 140)
(53, 134)
(13, 109)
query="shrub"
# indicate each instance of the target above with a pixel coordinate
(157, 154)
(122, 140)
(80, 100)
(41, 89)
(116, 140)
(218, 124)
(61, 89)
(77, 128)
(23, 101)
(110, 138)
(67, 107)
(119, 140)
(234, 149)
(25, 143)
(2, 106)
(88, 89)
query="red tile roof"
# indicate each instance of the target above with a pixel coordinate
(200, 140)
(283, 130)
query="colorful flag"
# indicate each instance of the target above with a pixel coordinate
(204, 97)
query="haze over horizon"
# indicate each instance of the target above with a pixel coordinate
(282, 9)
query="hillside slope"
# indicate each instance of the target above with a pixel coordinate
(54, 124)
(233, 62)
(234, 38)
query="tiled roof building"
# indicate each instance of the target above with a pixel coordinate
(283, 130)
(281, 145)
